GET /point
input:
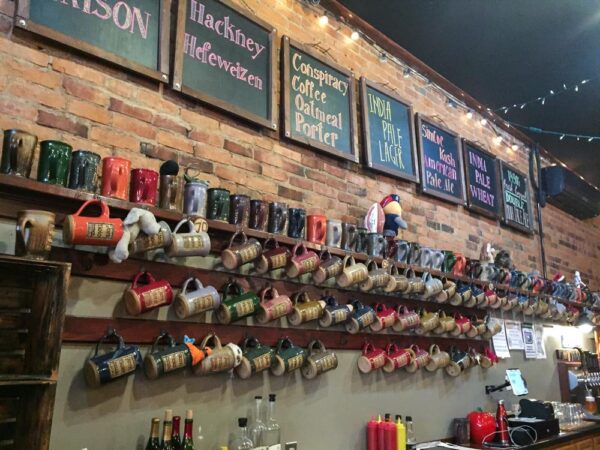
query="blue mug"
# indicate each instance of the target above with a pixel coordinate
(334, 313)
(362, 317)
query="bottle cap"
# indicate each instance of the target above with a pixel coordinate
(271, 397)
(177, 419)
(387, 417)
(408, 418)
(242, 422)
(501, 402)
(398, 417)
(155, 419)
(168, 415)
(189, 414)
(258, 397)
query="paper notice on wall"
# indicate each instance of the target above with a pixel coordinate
(514, 335)
(529, 341)
(499, 341)
(538, 331)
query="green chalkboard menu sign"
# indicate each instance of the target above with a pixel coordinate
(226, 57)
(318, 101)
(516, 200)
(441, 161)
(130, 33)
(388, 136)
(481, 174)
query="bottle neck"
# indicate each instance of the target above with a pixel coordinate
(155, 430)
(176, 426)
(168, 430)
(187, 433)
(243, 432)
(271, 411)
(257, 406)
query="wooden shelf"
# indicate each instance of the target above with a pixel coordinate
(24, 380)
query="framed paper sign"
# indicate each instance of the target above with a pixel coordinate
(481, 173)
(516, 200)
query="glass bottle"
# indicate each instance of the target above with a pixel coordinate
(241, 441)
(175, 437)
(410, 431)
(188, 440)
(256, 429)
(271, 436)
(166, 443)
(154, 439)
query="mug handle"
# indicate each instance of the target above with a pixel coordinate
(110, 333)
(348, 260)
(187, 221)
(371, 263)
(103, 206)
(325, 254)
(249, 341)
(137, 277)
(300, 297)
(22, 224)
(367, 348)
(270, 291)
(163, 335)
(434, 349)
(320, 230)
(228, 286)
(270, 241)
(285, 341)
(234, 237)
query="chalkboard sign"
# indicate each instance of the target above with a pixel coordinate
(388, 135)
(481, 174)
(441, 161)
(130, 33)
(318, 100)
(516, 200)
(226, 57)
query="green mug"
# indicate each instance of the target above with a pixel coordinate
(236, 304)
(288, 357)
(256, 357)
(55, 159)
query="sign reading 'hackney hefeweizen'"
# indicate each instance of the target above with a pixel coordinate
(131, 33)
(226, 57)
(318, 100)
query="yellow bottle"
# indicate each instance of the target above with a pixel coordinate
(400, 434)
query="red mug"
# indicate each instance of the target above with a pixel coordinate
(316, 228)
(115, 177)
(273, 305)
(273, 257)
(460, 265)
(386, 317)
(463, 324)
(372, 358)
(144, 186)
(421, 359)
(98, 230)
(406, 319)
(153, 294)
(302, 261)
(397, 357)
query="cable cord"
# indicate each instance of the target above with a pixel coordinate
(533, 438)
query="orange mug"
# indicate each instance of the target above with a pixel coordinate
(99, 230)
(115, 177)
(316, 228)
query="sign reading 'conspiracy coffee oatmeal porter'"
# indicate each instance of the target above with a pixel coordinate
(226, 57)
(318, 102)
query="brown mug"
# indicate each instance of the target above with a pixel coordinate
(448, 291)
(273, 257)
(302, 261)
(144, 242)
(35, 229)
(241, 250)
(18, 149)
(438, 359)
(416, 285)
(316, 228)
(352, 272)
(396, 282)
(219, 358)
(378, 277)
(478, 327)
(329, 267)
(170, 192)
(446, 325)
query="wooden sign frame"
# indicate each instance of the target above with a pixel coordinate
(506, 222)
(161, 73)
(419, 119)
(364, 84)
(353, 155)
(177, 83)
(470, 205)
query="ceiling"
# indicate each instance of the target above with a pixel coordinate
(504, 52)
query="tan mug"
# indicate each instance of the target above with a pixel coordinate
(492, 329)
(318, 361)
(448, 291)
(219, 358)
(446, 325)
(429, 322)
(305, 309)
(478, 327)
(190, 302)
(329, 267)
(144, 242)
(397, 281)
(241, 250)
(377, 278)
(416, 285)
(192, 243)
(35, 229)
(352, 272)
(438, 359)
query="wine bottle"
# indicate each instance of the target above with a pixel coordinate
(175, 437)
(188, 441)
(154, 439)
(166, 443)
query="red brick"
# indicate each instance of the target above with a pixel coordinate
(323, 189)
(267, 157)
(208, 138)
(78, 89)
(231, 174)
(317, 176)
(335, 171)
(33, 73)
(301, 183)
(200, 121)
(237, 148)
(292, 168)
(130, 110)
(245, 163)
(276, 173)
(336, 183)
(163, 122)
(61, 122)
(203, 166)
(212, 154)
(134, 126)
(346, 198)
(262, 185)
(290, 193)
(22, 52)
(16, 108)
(119, 140)
(175, 141)
(159, 152)
(89, 111)
(78, 70)
(287, 153)
(312, 161)
(37, 93)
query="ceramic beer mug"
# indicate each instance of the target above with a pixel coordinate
(416, 285)
(463, 324)
(288, 357)
(191, 302)
(460, 361)
(171, 193)
(362, 317)
(449, 260)
(159, 362)
(329, 266)
(402, 251)
(397, 357)
(115, 177)
(144, 186)
(420, 360)
(259, 215)
(192, 243)
(318, 361)
(273, 257)
(493, 327)
(123, 360)
(438, 359)
(352, 272)
(349, 236)
(239, 210)
(316, 228)
(488, 358)
(446, 325)
(396, 282)
(217, 200)
(236, 304)
(278, 218)
(429, 322)
(99, 230)
(54, 163)
(511, 302)
(407, 319)
(425, 257)
(145, 242)
(478, 327)
(35, 230)
(305, 309)
(433, 286)
(272, 305)
(302, 261)
(84, 170)
(448, 290)
(334, 313)
(386, 317)
(241, 250)
(437, 259)
(334, 233)
(140, 298)
(256, 357)
(218, 358)
(18, 148)
(297, 223)
(376, 245)
(361, 240)
(481, 300)
(377, 277)
(462, 293)
(372, 358)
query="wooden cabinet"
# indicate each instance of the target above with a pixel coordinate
(596, 442)
(586, 444)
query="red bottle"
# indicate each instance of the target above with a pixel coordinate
(372, 427)
(390, 433)
(502, 423)
(381, 435)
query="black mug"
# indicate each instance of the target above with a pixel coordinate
(217, 204)
(84, 170)
(361, 240)
(259, 215)
(278, 218)
(239, 210)
(376, 244)
(349, 236)
(297, 222)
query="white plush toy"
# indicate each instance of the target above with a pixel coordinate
(137, 220)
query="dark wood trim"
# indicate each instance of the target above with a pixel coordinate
(160, 72)
(466, 143)
(179, 85)
(505, 221)
(285, 90)
(364, 84)
(419, 119)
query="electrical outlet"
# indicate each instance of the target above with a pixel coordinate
(291, 446)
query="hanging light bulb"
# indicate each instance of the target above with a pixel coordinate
(523, 105)
(584, 81)
(355, 36)
(323, 20)
(590, 139)
(576, 88)
(514, 147)
(551, 92)
(469, 114)
(406, 72)
(543, 101)
(483, 122)
(497, 140)
(561, 138)
(383, 57)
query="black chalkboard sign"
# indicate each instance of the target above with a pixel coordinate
(481, 175)
(226, 57)
(516, 200)
(130, 33)
(318, 101)
(388, 136)
(441, 161)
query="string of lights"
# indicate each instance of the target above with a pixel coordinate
(562, 135)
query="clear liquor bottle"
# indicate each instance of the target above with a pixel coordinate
(257, 427)
(271, 436)
(241, 441)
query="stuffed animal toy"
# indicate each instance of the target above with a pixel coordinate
(488, 254)
(137, 220)
(503, 260)
(393, 215)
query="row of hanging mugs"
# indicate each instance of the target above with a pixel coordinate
(166, 356)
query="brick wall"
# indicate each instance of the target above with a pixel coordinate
(59, 95)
